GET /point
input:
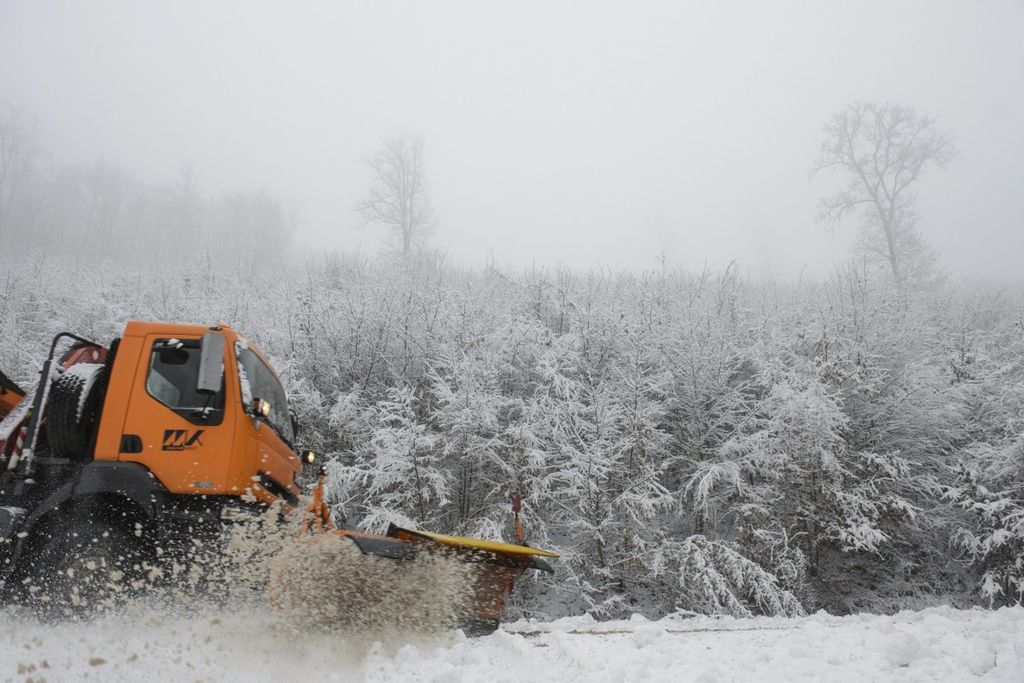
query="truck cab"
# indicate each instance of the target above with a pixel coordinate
(146, 447)
(202, 410)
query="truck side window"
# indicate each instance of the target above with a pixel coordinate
(171, 380)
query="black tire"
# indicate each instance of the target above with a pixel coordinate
(71, 417)
(84, 569)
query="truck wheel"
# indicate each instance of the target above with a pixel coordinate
(76, 397)
(85, 568)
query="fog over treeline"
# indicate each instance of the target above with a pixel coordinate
(102, 212)
(575, 133)
(729, 295)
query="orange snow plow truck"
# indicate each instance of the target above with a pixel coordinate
(172, 433)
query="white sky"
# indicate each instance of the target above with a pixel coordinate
(583, 133)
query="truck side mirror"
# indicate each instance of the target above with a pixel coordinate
(211, 363)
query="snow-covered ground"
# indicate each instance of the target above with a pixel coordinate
(939, 644)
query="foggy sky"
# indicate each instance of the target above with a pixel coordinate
(584, 133)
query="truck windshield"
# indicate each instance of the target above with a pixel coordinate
(259, 381)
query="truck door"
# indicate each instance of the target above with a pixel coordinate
(183, 435)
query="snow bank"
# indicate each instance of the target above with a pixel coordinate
(939, 644)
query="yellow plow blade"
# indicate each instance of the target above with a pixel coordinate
(472, 543)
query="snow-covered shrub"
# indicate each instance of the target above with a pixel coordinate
(712, 578)
(991, 492)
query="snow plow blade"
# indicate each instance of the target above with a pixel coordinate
(494, 567)
(517, 555)
(484, 572)
(402, 544)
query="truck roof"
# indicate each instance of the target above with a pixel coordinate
(141, 328)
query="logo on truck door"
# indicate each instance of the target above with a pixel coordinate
(181, 439)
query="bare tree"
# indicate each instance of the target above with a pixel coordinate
(19, 154)
(398, 198)
(883, 149)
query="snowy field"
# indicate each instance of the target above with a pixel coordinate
(932, 645)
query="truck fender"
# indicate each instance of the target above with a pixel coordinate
(21, 528)
(130, 480)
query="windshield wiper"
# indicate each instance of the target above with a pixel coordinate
(204, 412)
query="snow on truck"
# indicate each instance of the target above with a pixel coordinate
(124, 453)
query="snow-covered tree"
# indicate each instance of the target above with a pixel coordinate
(398, 470)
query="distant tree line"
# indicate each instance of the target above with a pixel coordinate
(102, 211)
(687, 441)
(881, 150)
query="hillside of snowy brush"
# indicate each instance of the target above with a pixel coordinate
(690, 443)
